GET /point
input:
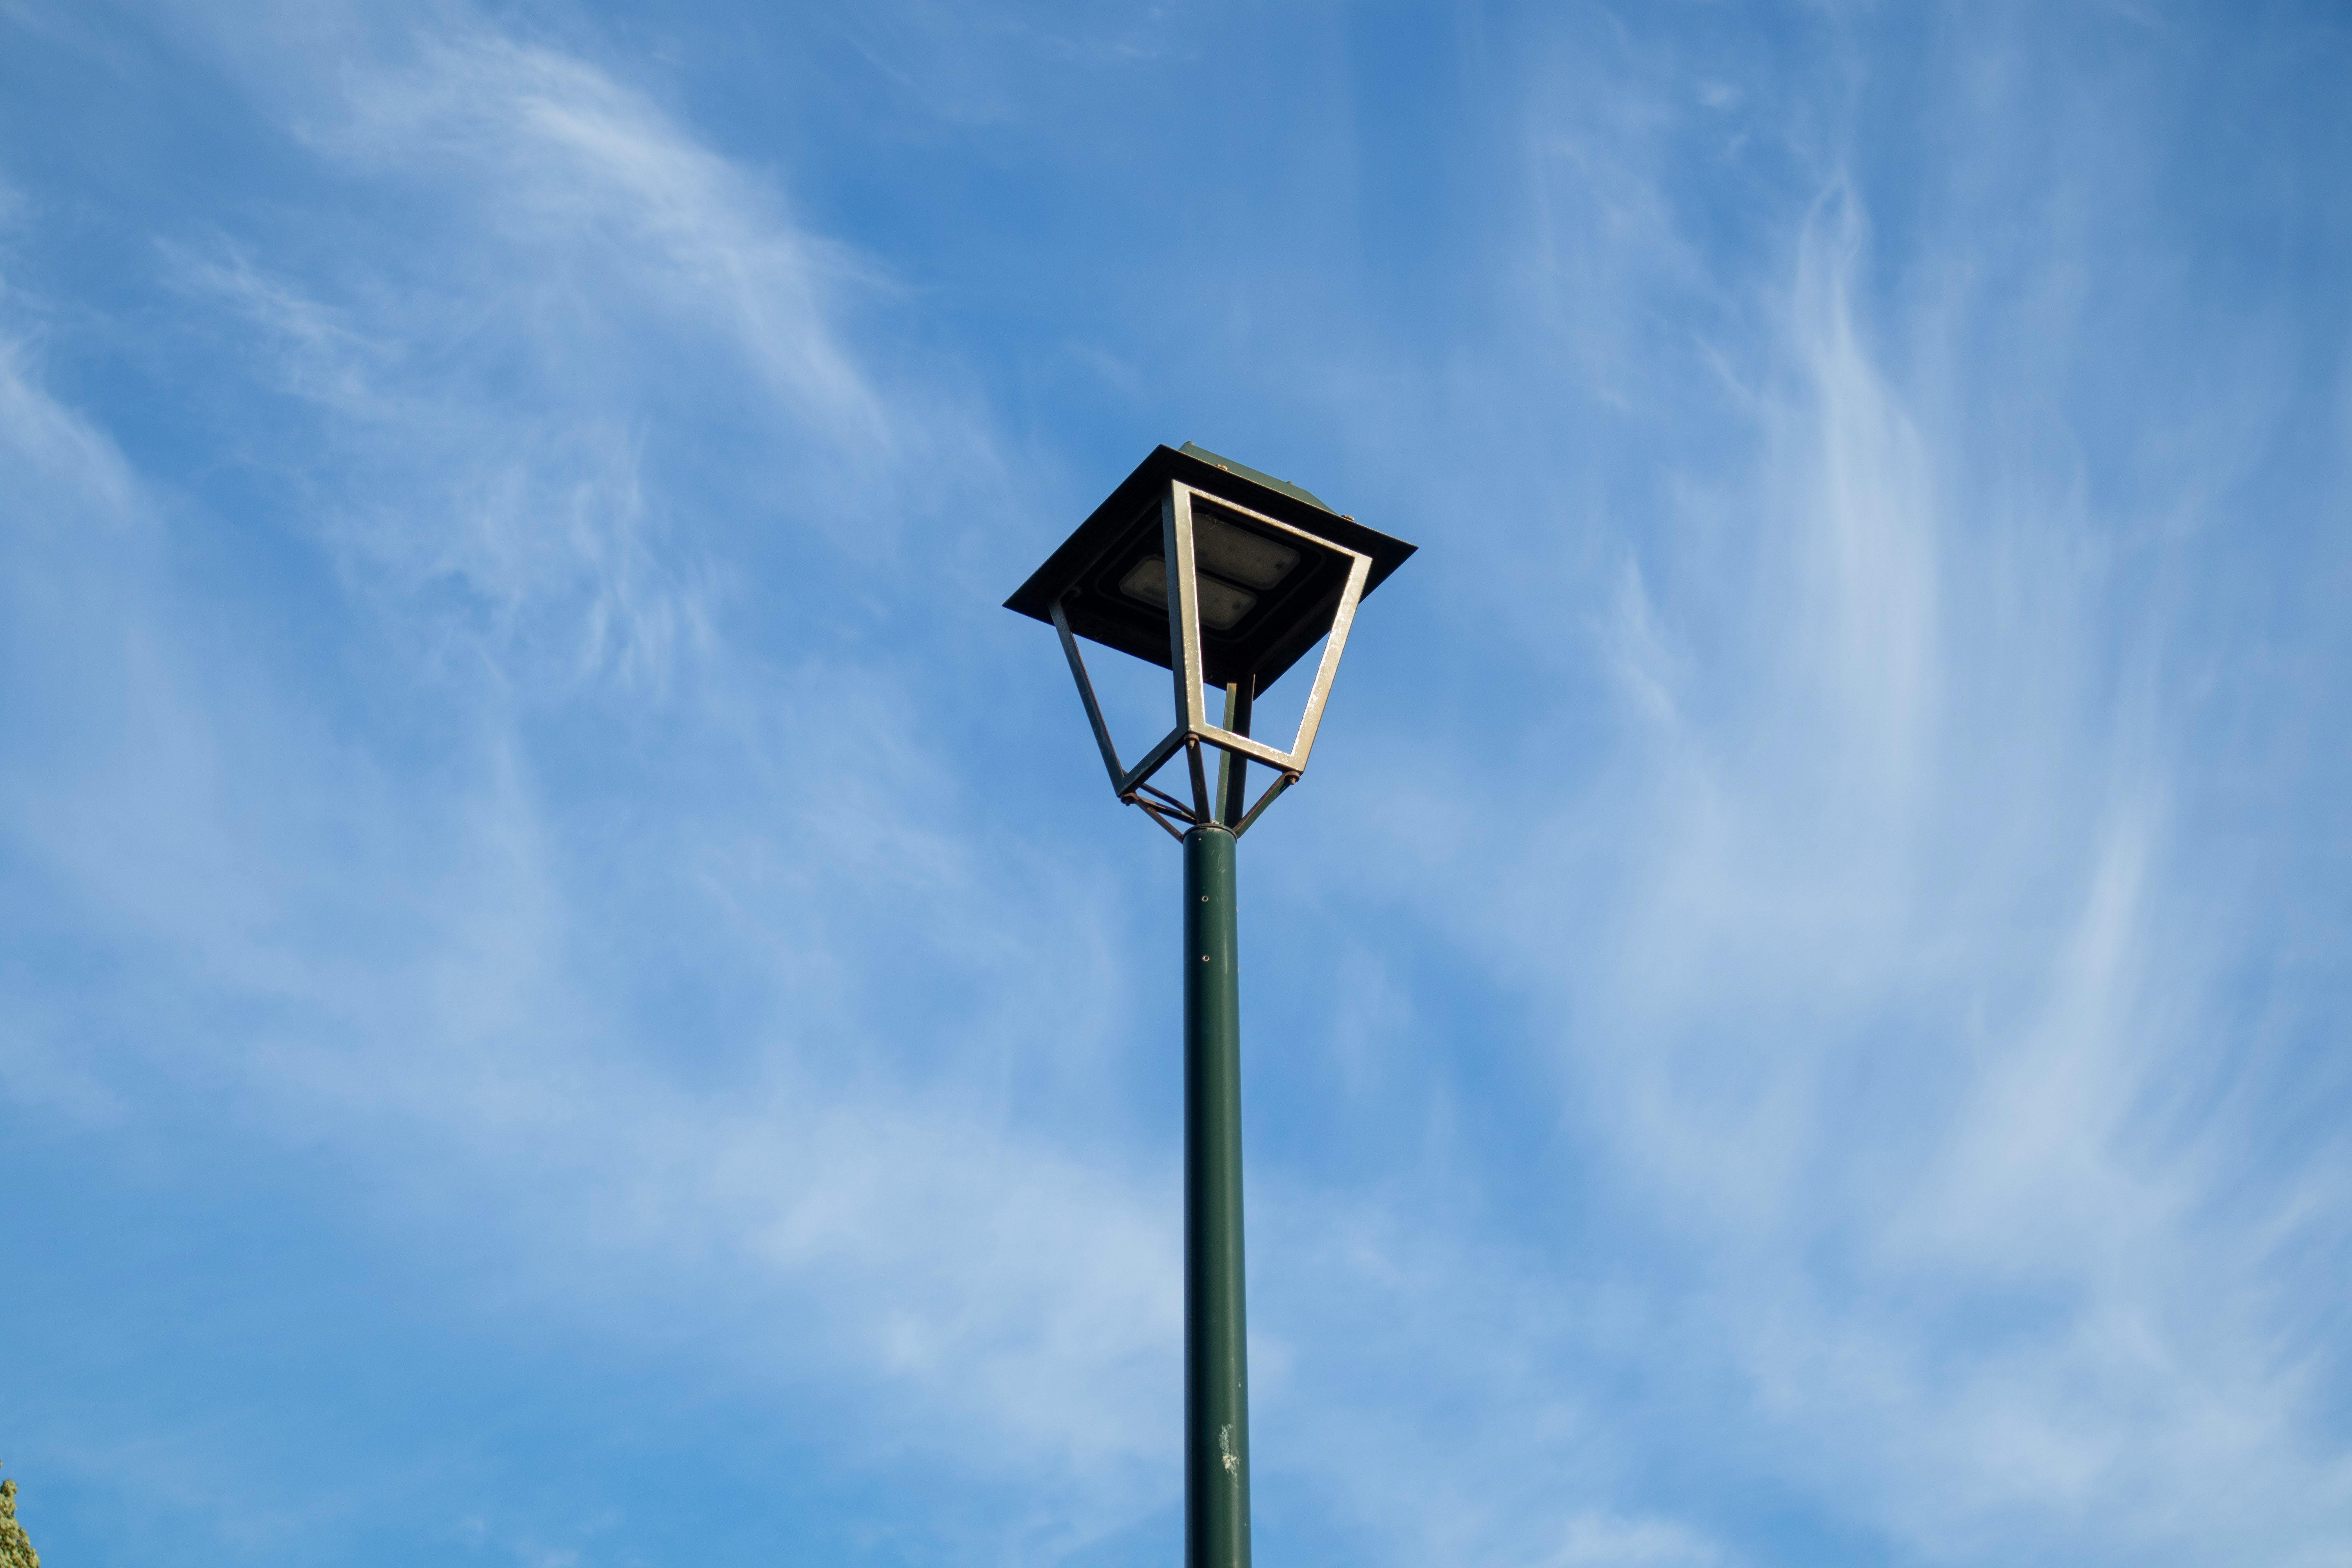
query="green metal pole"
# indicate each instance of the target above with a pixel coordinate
(1216, 1362)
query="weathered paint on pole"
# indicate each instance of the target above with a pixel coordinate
(1216, 1361)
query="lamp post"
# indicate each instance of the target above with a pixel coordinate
(1225, 577)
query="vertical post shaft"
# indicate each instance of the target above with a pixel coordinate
(1232, 770)
(1216, 1364)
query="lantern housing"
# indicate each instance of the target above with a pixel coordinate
(1264, 571)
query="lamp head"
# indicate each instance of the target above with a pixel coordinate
(1223, 576)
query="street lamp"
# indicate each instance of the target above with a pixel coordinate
(1261, 572)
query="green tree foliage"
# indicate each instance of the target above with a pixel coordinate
(15, 1551)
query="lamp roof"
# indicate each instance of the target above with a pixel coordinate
(1093, 572)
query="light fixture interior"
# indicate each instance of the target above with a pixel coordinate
(1223, 605)
(1237, 554)
(1228, 558)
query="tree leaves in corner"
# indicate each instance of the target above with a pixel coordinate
(16, 1547)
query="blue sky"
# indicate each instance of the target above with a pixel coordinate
(571, 993)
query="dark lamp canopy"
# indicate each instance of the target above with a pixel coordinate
(1265, 597)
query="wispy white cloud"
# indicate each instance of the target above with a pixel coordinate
(1886, 1019)
(553, 152)
(601, 293)
(1025, 1288)
(481, 477)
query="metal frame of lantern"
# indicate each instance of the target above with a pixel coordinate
(1192, 729)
